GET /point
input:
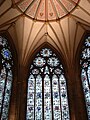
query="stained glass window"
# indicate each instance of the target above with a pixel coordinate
(6, 64)
(47, 90)
(85, 72)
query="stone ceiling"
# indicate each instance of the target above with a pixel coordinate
(46, 10)
(62, 30)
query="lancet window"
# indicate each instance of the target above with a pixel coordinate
(47, 97)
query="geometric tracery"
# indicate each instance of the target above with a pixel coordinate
(47, 90)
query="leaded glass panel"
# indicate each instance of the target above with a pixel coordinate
(6, 76)
(47, 91)
(85, 72)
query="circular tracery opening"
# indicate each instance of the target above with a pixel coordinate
(47, 97)
(46, 10)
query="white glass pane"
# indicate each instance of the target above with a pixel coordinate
(30, 98)
(56, 98)
(38, 98)
(47, 99)
(64, 99)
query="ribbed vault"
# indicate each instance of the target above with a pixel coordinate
(28, 34)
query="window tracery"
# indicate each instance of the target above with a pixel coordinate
(6, 76)
(47, 90)
(85, 72)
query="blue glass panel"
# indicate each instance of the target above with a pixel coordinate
(6, 53)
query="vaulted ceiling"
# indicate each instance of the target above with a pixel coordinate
(31, 23)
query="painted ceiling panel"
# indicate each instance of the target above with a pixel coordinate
(39, 21)
(32, 11)
(76, 1)
(41, 11)
(50, 11)
(68, 5)
(24, 4)
(59, 9)
(46, 10)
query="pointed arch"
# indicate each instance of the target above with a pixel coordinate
(6, 73)
(85, 70)
(53, 48)
(47, 89)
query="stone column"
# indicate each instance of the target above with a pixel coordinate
(22, 92)
(75, 92)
